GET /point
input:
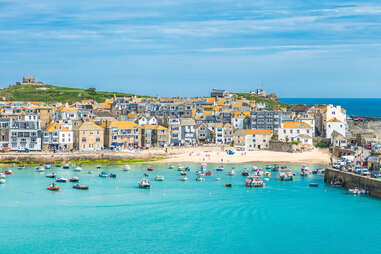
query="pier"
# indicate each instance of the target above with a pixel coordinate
(351, 180)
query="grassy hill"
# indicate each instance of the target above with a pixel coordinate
(50, 94)
(270, 104)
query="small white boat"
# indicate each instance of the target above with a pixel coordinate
(221, 168)
(180, 168)
(78, 169)
(126, 168)
(48, 166)
(21, 167)
(144, 184)
(218, 179)
(231, 172)
(66, 166)
(357, 191)
(40, 169)
(99, 166)
(171, 167)
(183, 179)
(90, 172)
(2, 181)
(159, 178)
(2, 176)
(61, 180)
(200, 179)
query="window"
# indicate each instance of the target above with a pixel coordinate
(83, 139)
(98, 140)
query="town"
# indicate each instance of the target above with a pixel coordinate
(247, 122)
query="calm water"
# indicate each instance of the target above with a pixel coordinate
(357, 107)
(114, 216)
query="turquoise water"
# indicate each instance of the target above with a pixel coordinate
(114, 216)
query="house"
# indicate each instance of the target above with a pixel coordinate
(335, 125)
(174, 127)
(88, 137)
(25, 135)
(4, 133)
(188, 131)
(296, 131)
(264, 119)
(253, 139)
(57, 137)
(154, 135)
(122, 135)
(204, 134)
(66, 113)
(218, 93)
(338, 140)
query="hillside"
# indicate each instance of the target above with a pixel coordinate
(50, 94)
(270, 103)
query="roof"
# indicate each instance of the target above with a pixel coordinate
(296, 125)
(259, 132)
(89, 126)
(123, 125)
(65, 109)
(154, 127)
(334, 120)
(56, 127)
(304, 136)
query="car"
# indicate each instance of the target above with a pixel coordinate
(23, 150)
(376, 174)
(364, 172)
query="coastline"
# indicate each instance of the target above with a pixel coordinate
(208, 154)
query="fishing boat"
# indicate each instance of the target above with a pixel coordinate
(245, 172)
(183, 179)
(74, 179)
(200, 179)
(2, 176)
(221, 168)
(275, 168)
(231, 172)
(53, 187)
(80, 187)
(180, 168)
(78, 169)
(228, 185)
(314, 185)
(66, 166)
(159, 178)
(209, 173)
(40, 169)
(144, 184)
(150, 169)
(171, 167)
(98, 167)
(283, 167)
(267, 174)
(104, 174)
(62, 180)
(183, 173)
(2, 181)
(8, 172)
(51, 175)
(126, 168)
(254, 181)
(218, 179)
(305, 171)
(21, 167)
(357, 191)
(286, 176)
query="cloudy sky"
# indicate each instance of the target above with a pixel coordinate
(295, 48)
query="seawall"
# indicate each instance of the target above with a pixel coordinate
(351, 180)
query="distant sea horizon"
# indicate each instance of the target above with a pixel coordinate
(355, 106)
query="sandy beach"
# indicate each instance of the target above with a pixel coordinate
(219, 155)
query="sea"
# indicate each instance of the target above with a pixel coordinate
(370, 107)
(115, 216)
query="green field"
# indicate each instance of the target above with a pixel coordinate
(51, 94)
(270, 104)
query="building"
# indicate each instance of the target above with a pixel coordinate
(265, 119)
(122, 135)
(188, 131)
(174, 127)
(28, 80)
(204, 134)
(253, 139)
(4, 133)
(296, 131)
(25, 135)
(88, 137)
(57, 137)
(154, 135)
(335, 125)
(218, 93)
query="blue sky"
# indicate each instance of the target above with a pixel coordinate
(295, 48)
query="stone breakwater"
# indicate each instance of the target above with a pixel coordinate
(76, 156)
(351, 180)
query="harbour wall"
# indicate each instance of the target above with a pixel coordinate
(351, 180)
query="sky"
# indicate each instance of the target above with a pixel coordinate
(295, 48)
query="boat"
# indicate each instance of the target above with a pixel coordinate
(104, 174)
(187, 169)
(228, 185)
(231, 172)
(8, 172)
(180, 168)
(318, 171)
(267, 174)
(48, 165)
(245, 172)
(209, 173)
(80, 187)
(221, 168)
(200, 179)
(112, 175)
(51, 175)
(2, 181)
(275, 168)
(286, 176)
(98, 167)
(2, 176)
(203, 166)
(21, 167)
(268, 167)
(78, 169)
(74, 179)
(218, 179)
(183, 178)
(357, 191)
(305, 171)
(61, 180)
(254, 181)
(66, 166)
(40, 169)
(144, 184)
(283, 167)
(183, 173)
(126, 168)
(314, 185)
(171, 167)
(53, 187)
(337, 183)
(90, 172)
(159, 178)
(150, 169)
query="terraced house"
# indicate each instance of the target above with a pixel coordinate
(154, 136)
(122, 135)
(25, 135)
(88, 137)
(57, 138)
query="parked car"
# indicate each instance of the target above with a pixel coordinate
(376, 174)
(364, 172)
(26, 150)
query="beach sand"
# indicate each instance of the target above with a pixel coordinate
(219, 155)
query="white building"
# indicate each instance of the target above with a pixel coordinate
(296, 131)
(57, 137)
(335, 125)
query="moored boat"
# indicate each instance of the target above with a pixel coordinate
(286, 176)
(159, 178)
(53, 187)
(2, 175)
(209, 173)
(220, 168)
(245, 172)
(2, 181)
(144, 184)
(78, 169)
(66, 166)
(74, 179)
(267, 174)
(61, 180)
(171, 167)
(183, 173)
(8, 172)
(228, 185)
(20, 166)
(40, 169)
(183, 178)
(200, 179)
(254, 181)
(275, 168)
(51, 175)
(98, 167)
(305, 171)
(48, 165)
(187, 169)
(150, 169)
(231, 172)
(314, 185)
(126, 168)
(80, 187)
(218, 179)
